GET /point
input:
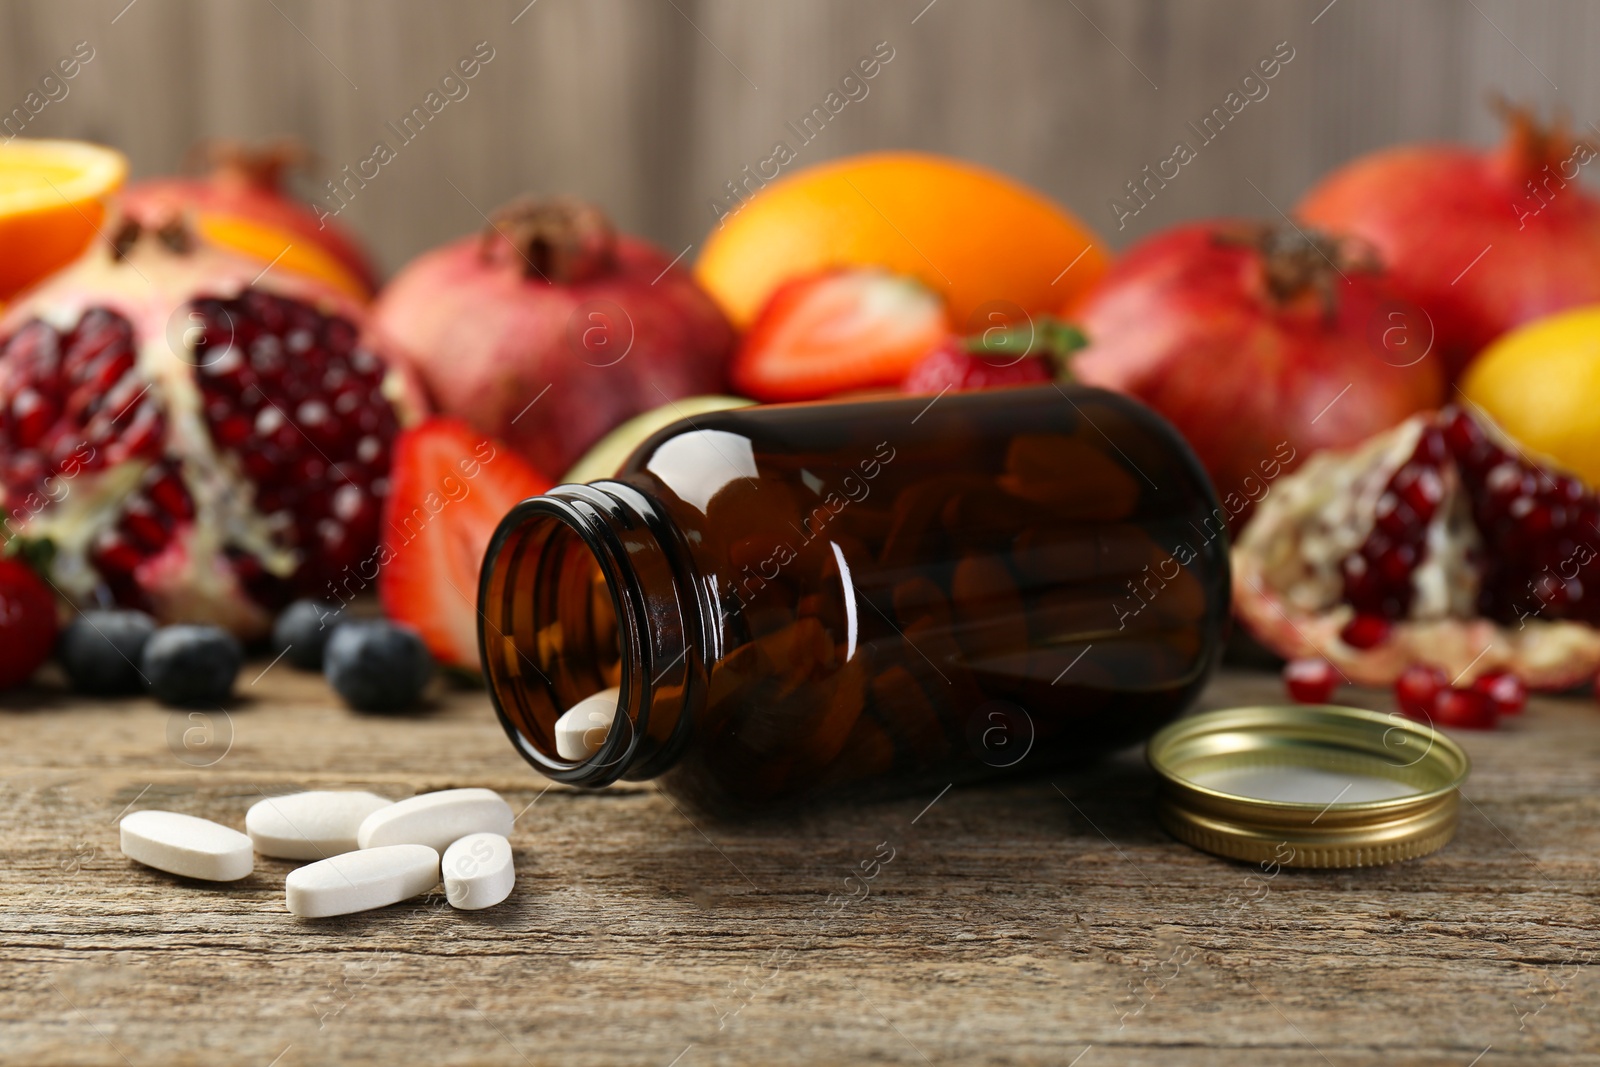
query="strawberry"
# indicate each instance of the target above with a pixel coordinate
(27, 622)
(449, 488)
(839, 330)
(1033, 351)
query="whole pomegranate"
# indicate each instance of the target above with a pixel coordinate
(1437, 542)
(247, 183)
(1481, 241)
(189, 434)
(549, 299)
(1260, 345)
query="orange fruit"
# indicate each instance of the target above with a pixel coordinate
(52, 202)
(971, 235)
(1541, 383)
(281, 249)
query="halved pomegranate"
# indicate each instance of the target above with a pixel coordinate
(1438, 542)
(190, 434)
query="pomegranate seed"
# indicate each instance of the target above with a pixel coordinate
(367, 365)
(218, 366)
(25, 470)
(313, 415)
(1505, 691)
(168, 494)
(109, 370)
(143, 525)
(32, 415)
(1310, 681)
(231, 431)
(347, 503)
(1365, 631)
(268, 421)
(1396, 564)
(1395, 517)
(1420, 487)
(1432, 449)
(309, 470)
(113, 555)
(36, 347)
(339, 336)
(1464, 708)
(1417, 688)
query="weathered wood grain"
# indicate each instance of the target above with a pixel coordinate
(1019, 924)
(650, 106)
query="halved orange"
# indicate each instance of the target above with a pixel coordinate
(281, 249)
(977, 238)
(52, 203)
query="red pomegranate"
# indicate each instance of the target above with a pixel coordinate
(247, 182)
(1260, 345)
(549, 329)
(1481, 241)
(1437, 542)
(190, 435)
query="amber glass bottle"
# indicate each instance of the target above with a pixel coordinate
(817, 600)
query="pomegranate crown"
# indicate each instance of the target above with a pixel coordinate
(260, 165)
(560, 240)
(1298, 260)
(1531, 145)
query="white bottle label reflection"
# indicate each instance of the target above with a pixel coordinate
(697, 465)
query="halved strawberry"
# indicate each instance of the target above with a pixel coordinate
(449, 488)
(839, 330)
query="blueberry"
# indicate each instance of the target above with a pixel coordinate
(302, 631)
(376, 665)
(100, 651)
(192, 664)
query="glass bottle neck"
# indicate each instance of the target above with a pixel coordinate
(586, 588)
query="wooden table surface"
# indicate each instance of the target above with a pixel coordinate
(1050, 921)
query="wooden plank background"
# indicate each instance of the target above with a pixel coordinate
(649, 106)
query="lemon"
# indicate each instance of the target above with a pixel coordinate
(1541, 383)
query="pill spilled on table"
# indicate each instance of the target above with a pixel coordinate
(361, 880)
(184, 844)
(312, 825)
(583, 728)
(370, 852)
(436, 819)
(478, 872)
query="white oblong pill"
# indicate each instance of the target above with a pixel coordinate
(478, 871)
(312, 825)
(582, 728)
(436, 819)
(183, 844)
(360, 881)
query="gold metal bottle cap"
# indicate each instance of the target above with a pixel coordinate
(1308, 785)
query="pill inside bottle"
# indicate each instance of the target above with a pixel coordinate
(584, 727)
